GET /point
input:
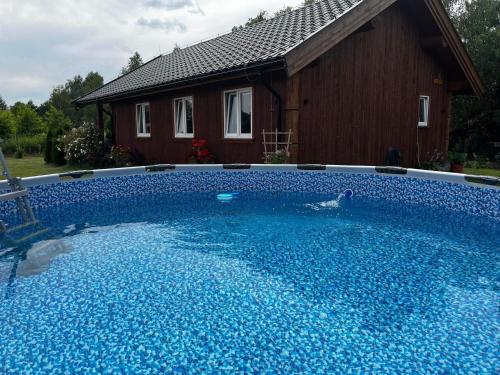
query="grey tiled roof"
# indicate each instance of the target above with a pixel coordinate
(260, 43)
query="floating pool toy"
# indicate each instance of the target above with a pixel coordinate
(348, 193)
(227, 197)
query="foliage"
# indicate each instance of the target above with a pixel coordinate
(263, 15)
(134, 62)
(3, 105)
(479, 161)
(63, 95)
(435, 161)
(7, 124)
(57, 124)
(19, 154)
(121, 156)
(28, 123)
(200, 153)
(282, 11)
(475, 121)
(457, 157)
(29, 144)
(82, 145)
(277, 157)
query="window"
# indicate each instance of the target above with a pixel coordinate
(183, 115)
(423, 111)
(143, 119)
(238, 113)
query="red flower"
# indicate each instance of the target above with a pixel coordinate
(204, 153)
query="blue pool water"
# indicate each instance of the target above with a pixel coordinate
(276, 283)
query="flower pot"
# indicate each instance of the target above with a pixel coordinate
(457, 168)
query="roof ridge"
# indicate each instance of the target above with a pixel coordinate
(249, 27)
(268, 40)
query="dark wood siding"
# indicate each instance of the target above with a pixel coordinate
(347, 107)
(361, 97)
(208, 122)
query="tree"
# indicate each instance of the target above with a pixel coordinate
(134, 62)
(63, 95)
(3, 105)
(283, 11)
(261, 16)
(57, 124)
(475, 121)
(28, 123)
(7, 124)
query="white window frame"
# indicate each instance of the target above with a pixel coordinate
(425, 123)
(143, 115)
(185, 134)
(238, 134)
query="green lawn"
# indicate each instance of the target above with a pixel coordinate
(482, 171)
(35, 166)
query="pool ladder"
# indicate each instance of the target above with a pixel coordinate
(20, 195)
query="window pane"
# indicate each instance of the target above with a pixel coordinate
(246, 112)
(421, 111)
(147, 119)
(140, 126)
(179, 128)
(189, 116)
(232, 113)
(423, 114)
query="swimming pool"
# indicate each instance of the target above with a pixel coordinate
(149, 271)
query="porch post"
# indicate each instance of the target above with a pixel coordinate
(100, 120)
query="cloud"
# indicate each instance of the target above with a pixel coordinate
(165, 24)
(191, 5)
(43, 43)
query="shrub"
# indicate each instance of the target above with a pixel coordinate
(121, 156)
(7, 124)
(57, 154)
(81, 145)
(28, 123)
(48, 146)
(29, 144)
(435, 161)
(199, 152)
(457, 157)
(277, 157)
(57, 123)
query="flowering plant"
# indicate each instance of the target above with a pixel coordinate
(277, 157)
(120, 155)
(81, 145)
(199, 152)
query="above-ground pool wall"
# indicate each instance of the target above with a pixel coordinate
(441, 190)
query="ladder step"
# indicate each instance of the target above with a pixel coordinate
(31, 235)
(22, 226)
(13, 195)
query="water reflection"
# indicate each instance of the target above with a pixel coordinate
(29, 261)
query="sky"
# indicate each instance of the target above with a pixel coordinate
(43, 43)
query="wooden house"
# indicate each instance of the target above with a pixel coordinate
(350, 78)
